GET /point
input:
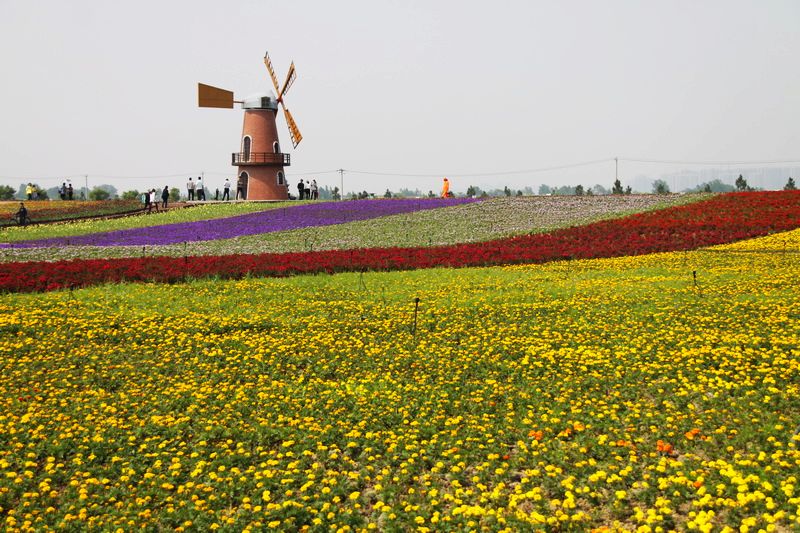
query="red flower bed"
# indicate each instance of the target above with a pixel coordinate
(721, 219)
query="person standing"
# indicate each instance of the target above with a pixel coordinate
(147, 201)
(445, 188)
(314, 190)
(301, 190)
(240, 188)
(70, 190)
(201, 189)
(165, 196)
(62, 191)
(29, 191)
(226, 190)
(190, 189)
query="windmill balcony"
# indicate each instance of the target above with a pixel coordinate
(260, 158)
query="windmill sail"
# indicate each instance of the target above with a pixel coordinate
(208, 96)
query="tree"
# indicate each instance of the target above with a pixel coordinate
(174, 194)
(545, 190)
(741, 184)
(99, 194)
(7, 193)
(130, 195)
(506, 191)
(472, 191)
(579, 190)
(660, 187)
(707, 188)
(617, 188)
(790, 186)
(387, 194)
(519, 193)
(431, 195)
(628, 190)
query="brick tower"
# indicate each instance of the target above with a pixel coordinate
(259, 161)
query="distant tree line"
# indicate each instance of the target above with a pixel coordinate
(659, 186)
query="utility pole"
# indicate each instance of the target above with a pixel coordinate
(86, 181)
(616, 169)
(341, 178)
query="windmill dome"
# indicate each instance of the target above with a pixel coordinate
(261, 101)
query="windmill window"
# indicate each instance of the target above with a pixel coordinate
(276, 148)
(246, 148)
(281, 179)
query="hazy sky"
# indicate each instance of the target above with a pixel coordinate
(476, 91)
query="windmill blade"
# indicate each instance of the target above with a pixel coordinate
(290, 76)
(294, 132)
(208, 96)
(271, 70)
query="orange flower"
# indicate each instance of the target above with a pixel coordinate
(536, 434)
(692, 433)
(664, 447)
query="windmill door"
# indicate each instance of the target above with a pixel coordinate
(241, 186)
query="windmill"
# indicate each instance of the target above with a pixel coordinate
(259, 161)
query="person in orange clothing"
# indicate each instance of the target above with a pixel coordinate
(445, 188)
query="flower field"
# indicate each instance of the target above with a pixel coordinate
(478, 221)
(61, 232)
(44, 211)
(651, 393)
(280, 218)
(721, 219)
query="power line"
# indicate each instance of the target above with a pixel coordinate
(96, 176)
(478, 174)
(719, 163)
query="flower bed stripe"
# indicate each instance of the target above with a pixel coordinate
(271, 220)
(722, 219)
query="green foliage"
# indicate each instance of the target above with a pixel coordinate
(617, 188)
(175, 194)
(387, 194)
(99, 194)
(579, 190)
(7, 192)
(660, 187)
(741, 184)
(715, 185)
(130, 195)
(790, 185)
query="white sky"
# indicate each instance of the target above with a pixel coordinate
(464, 89)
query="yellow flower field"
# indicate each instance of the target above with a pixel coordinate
(653, 393)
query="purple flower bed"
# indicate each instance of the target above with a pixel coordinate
(280, 219)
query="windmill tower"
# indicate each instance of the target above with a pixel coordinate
(259, 161)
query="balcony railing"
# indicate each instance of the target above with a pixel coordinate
(260, 158)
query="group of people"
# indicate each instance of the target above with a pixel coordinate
(150, 199)
(32, 192)
(65, 191)
(196, 189)
(307, 193)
